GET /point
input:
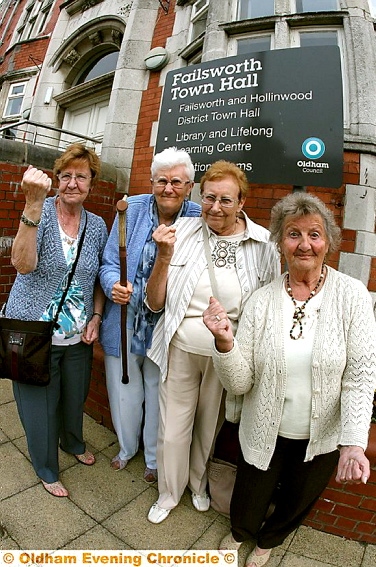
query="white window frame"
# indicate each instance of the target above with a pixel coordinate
(329, 9)
(12, 96)
(34, 19)
(295, 42)
(196, 14)
(232, 48)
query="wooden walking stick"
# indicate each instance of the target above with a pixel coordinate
(121, 207)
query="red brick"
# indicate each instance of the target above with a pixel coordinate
(368, 538)
(324, 505)
(349, 512)
(369, 504)
(327, 519)
(346, 524)
(366, 528)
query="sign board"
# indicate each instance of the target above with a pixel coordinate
(277, 114)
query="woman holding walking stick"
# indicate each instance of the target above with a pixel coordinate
(172, 176)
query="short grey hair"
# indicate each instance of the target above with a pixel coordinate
(172, 157)
(300, 204)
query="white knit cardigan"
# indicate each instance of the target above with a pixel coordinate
(343, 369)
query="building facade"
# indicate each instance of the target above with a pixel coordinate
(77, 70)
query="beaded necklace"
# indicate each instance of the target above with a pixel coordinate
(299, 312)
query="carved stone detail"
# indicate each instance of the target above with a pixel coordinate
(96, 38)
(125, 10)
(72, 57)
(117, 37)
(89, 4)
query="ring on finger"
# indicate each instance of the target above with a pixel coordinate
(218, 317)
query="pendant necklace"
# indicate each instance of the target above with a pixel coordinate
(70, 240)
(296, 330)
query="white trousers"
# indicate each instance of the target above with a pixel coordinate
(189, 401)
(128, 402)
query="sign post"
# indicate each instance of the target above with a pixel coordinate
(277, 114)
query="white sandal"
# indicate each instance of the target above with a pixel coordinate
(258, 560)
(228, 543)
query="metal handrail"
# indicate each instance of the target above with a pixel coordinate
(34, 136)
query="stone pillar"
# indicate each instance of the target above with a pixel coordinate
(130, 81)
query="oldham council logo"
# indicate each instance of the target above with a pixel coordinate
(313, 148)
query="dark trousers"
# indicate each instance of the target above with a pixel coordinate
(292, 485)
(55, 412)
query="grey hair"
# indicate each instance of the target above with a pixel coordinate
(171, 157)
(300, 204)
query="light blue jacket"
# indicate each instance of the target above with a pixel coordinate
(138, 226)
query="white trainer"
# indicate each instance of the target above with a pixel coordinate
(201, 502)
(157, 514)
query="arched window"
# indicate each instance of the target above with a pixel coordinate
(101, 66)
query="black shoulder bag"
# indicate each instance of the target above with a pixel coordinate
(25, 346)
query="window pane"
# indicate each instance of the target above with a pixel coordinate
(105, 65)
(253, 44)
(199, 18)
(316, 5)
(255, 9)
(14, 106)
(16, 90)
(15, 99)
(199, 25)
(200, 4)
(312, 39)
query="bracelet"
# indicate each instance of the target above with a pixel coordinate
(99, 315)
(29, 222)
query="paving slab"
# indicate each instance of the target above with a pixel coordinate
(98, 490)
(37, 520)
(108, 509)
(16, 472)
(335, 550)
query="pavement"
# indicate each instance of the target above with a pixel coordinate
(107, 510)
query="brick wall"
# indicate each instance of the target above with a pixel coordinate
(349, 510)
(346, 511)
(17, 57)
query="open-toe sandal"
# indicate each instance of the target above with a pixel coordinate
(55, 488)
(118, 464)
(258, 560)
(229, 543)
(86, 458)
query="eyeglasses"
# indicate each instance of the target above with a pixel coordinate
(67, 177)
(225, 202)
(175, 183)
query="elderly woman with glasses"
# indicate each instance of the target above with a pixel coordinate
(242, 260)
(304, 360)
(43, 253)
(172, 175)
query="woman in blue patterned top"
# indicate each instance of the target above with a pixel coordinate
(172, 175)
(43, 252)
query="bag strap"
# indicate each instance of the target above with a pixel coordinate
(213, 281)
(70, 275)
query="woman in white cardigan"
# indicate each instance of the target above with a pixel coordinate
(304, 359)
(180, 286)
